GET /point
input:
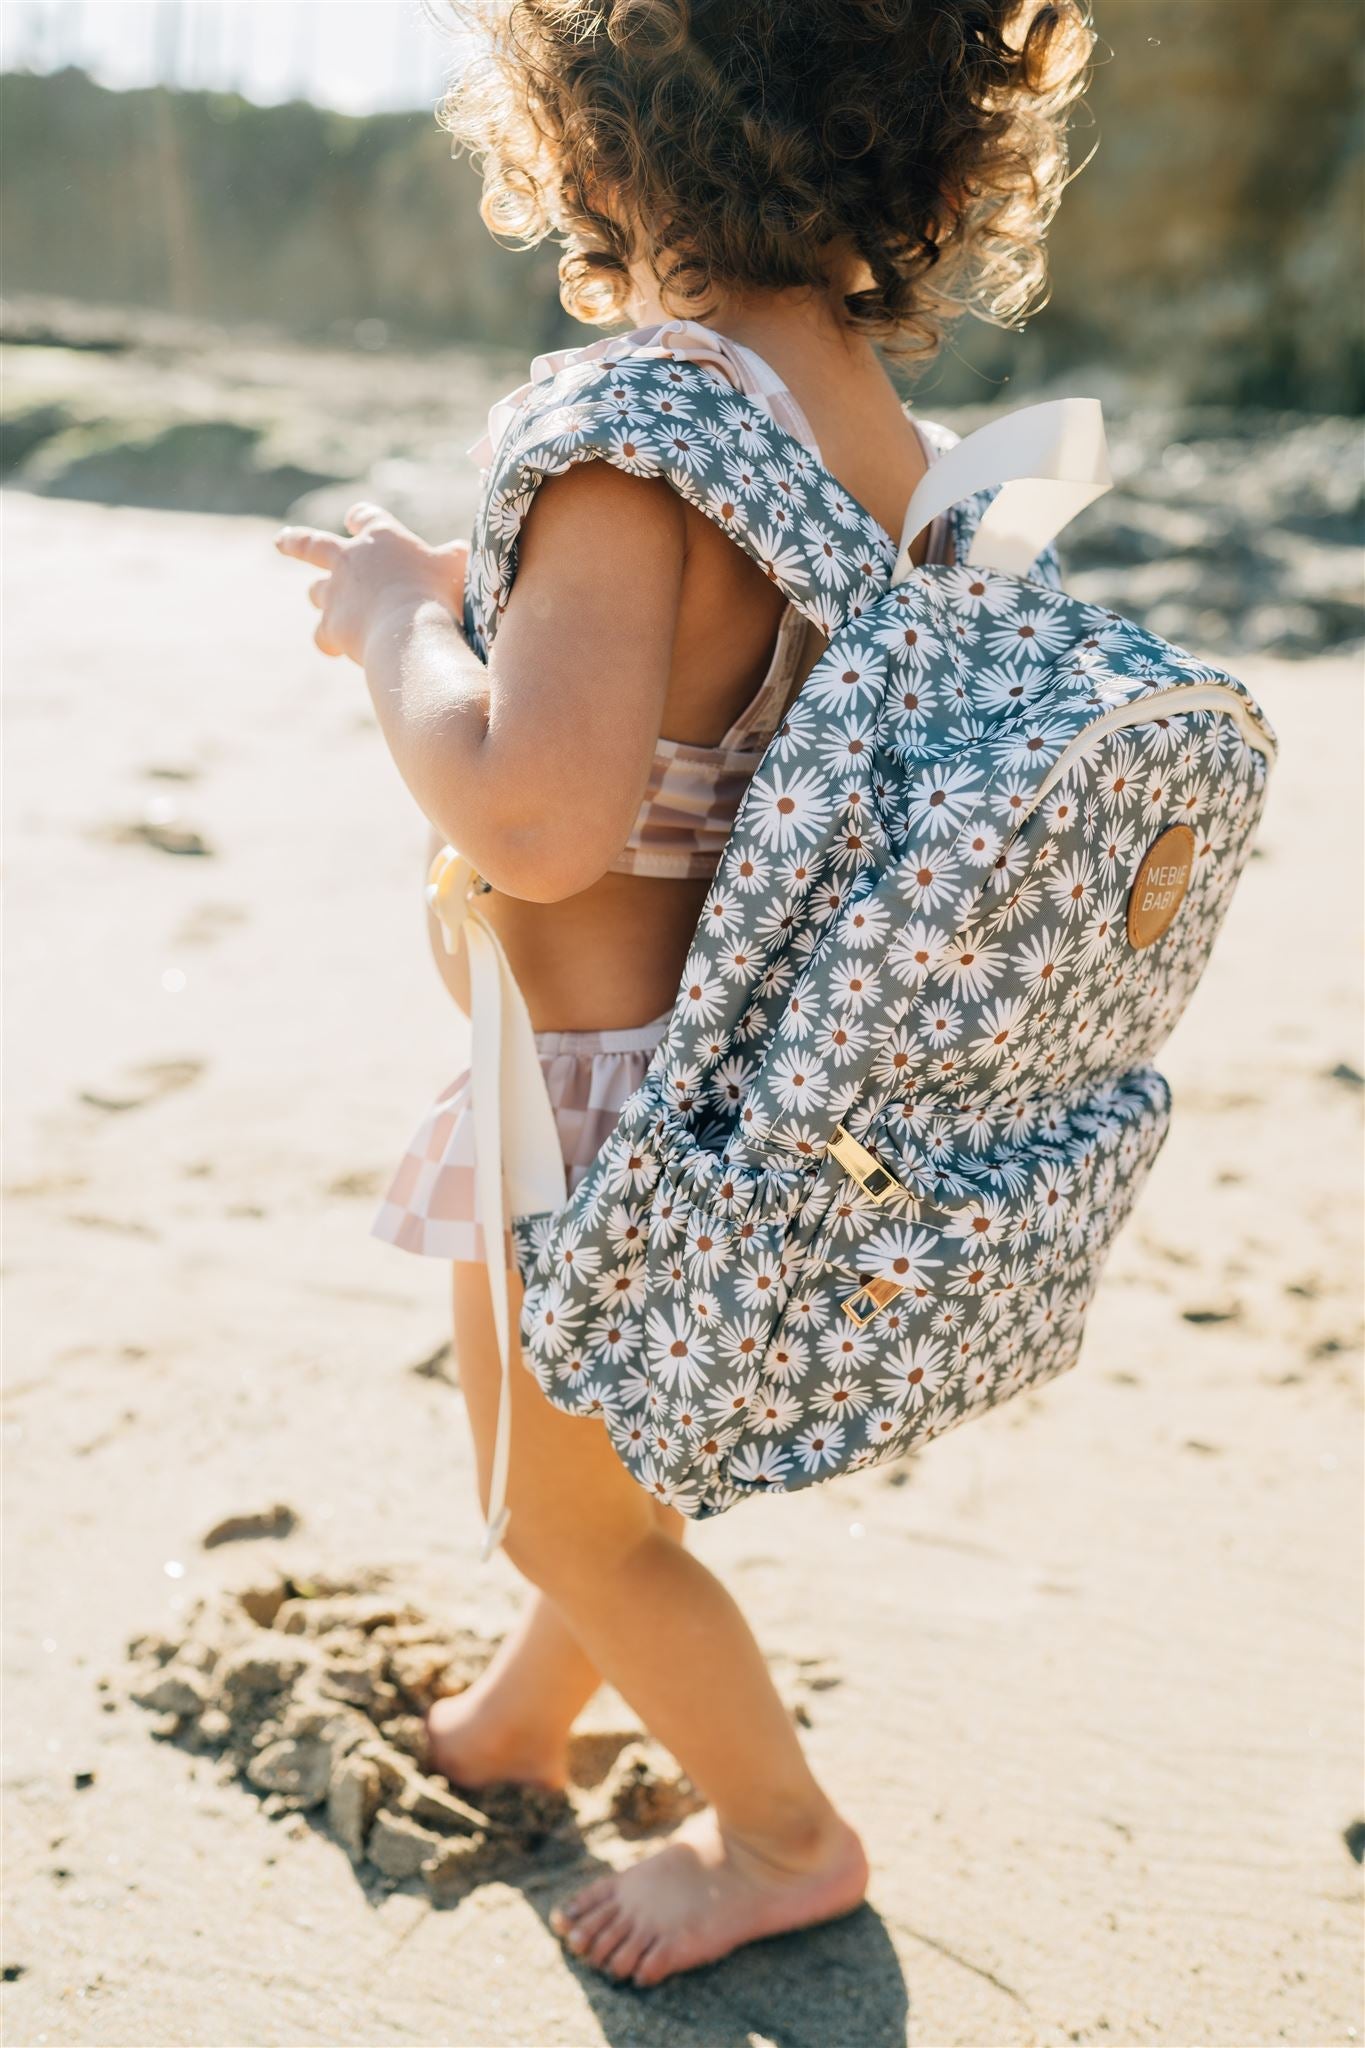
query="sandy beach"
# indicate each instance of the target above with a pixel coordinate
(1086, 1676)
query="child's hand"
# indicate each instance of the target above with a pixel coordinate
(381, 570)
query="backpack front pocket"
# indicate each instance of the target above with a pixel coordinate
(907, 1315)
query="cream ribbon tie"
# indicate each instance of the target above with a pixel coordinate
(518, 1166)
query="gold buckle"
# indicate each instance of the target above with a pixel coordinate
(858, 1163)
(877, 1293)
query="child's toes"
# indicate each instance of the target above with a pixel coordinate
(607, 1940)
(563, 1917)
(626, 1959)
(649, 1967)
(585, 1927)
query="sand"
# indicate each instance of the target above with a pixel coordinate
(1086, 1675)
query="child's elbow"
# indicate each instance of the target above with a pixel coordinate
(542, 863)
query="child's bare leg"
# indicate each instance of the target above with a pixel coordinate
(514, 1721)
(773, 1854)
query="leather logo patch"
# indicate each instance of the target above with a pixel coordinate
(1159, 886)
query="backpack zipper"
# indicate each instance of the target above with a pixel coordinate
(1192, 696)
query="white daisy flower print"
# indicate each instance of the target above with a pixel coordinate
(1071, 887)
(1031, 633)
(774, 1408)
(913, 951)
(620, 1289)
(552, 1321)
(743, 479)
(943, 798)
(747, 870)
(837, 503)
(1002, 686)
(759, 1282)
(882, 1425)
(819, 1446)
(701, 995)
(787, 1360)
(824, 552)
(787, 810)
(746, 429)
(969, 964)
(903, 1253)
(779, 557)
(841, 680)
(865, 925)
(742, 1342)
(929, 876)
(978, 844)
(760, 1464)
(1041, 961)
(799, 1081)
(855, 985)
(1002, 1024)
(941, 1024)
(914, 1373)
(678, 1350)
(971, 591)
(707, 1254)
(841, 1040)
(911, 640)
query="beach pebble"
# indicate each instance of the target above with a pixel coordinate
(457, 1864)
(352, 1802)
(261, 1603)
(646, 1791)
(156, 1648)
(361, 1683)
(408, 1732)
(298, 1771)
(251, 1678)
(278, 1520)
(433, 1803)
(398, 1847)
(177, 1689)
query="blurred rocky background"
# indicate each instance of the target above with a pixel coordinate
(215, 305)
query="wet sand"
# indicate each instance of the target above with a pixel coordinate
(1085, 1675)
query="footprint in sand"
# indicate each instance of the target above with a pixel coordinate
(152, 1080)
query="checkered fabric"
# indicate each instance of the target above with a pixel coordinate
(429, 1207)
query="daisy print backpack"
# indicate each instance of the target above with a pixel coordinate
(905, 1100)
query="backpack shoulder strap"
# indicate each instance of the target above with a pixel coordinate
(1013, 485)
(718, 448)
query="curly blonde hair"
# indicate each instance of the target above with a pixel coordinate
(733, 145)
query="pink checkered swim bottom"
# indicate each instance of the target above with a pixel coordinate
(429, 1207)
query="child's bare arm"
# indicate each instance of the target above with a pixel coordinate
(534, 766)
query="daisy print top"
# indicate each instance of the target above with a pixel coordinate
(694, 792)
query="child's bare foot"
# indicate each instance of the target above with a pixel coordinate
(706, 1894)
(474, 1741)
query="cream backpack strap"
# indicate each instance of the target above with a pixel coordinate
(1050, 461)
(518, 1163)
